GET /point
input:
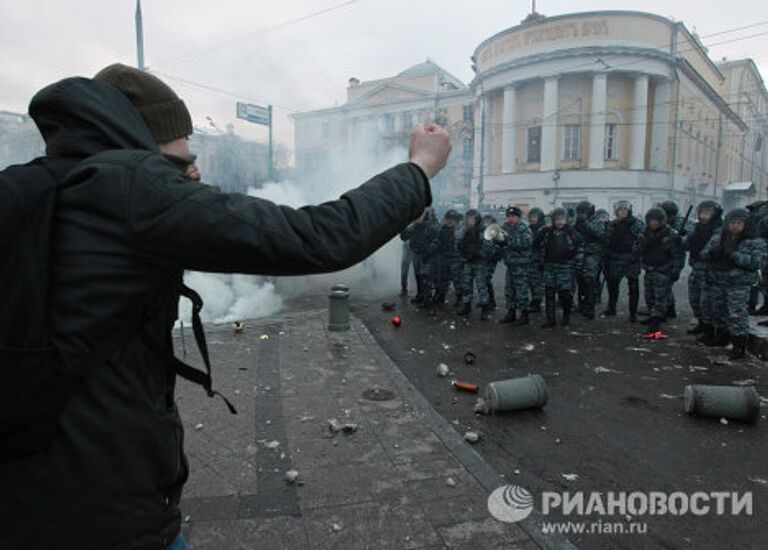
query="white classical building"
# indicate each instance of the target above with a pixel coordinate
(612, 105)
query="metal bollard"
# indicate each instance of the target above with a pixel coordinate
(338, 309)
(528, 392)
(735, 402)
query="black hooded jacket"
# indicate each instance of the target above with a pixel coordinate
(126, 225)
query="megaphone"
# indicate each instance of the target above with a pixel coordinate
(494, 232)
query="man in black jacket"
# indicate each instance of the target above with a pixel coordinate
(128, 222)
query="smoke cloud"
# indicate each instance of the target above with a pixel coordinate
(231, 298)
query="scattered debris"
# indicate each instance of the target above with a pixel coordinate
(264, 337)
(274, 444)
(442, 369)
(667, 396)
(388, 306)
(472, 437)
(292, 476)
(307, 418)
(724, 421)
(336, 527)
(747, 382)
(695, 368)
(529, 347)
(450, 482)
(446, 347)
(452, 327)
(465, 386)
(187, 519)
(558, 441)
(574, 351)
(198, 427)
(570, 477)
(599, 370)
(516, 471)
(639, 350)
(759, 480)
(238, 327)
(335, 426)
(469, 358)
(397, 321)
(482, 406)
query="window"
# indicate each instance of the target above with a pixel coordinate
(469, 113)
(407, 121)
(389, 122)
(572, 146)
(611, 145)
(468, 152)
(534, 144)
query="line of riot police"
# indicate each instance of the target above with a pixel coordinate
(566, 259)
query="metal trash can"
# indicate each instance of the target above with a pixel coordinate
(734, 402)
(338, 309)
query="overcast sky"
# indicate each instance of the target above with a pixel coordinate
(303, 65)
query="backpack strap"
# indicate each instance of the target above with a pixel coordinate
(188, 372)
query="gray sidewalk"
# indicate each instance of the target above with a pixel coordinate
(405, 479)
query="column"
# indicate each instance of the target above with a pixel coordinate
(509, 131)
(661, 125)
(639, 124)
(597, 122)
(478, 137)
(477, 161)
(549, 125)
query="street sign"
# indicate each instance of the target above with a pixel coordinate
(254, 113)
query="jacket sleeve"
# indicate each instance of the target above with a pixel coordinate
(750, 254)
(709, 248)
(196, 226)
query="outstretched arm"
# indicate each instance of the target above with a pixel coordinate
(194, 226)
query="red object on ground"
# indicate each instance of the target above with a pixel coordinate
(465, 386)
(397, 321)
(658, 335)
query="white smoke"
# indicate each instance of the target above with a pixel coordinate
(231, 298)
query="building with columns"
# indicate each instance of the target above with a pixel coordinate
(598, 106)
(613, 105)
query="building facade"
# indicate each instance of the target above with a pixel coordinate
(611, 105)
(598, 106)
(376, 121)
(228, 161)
(20, 140)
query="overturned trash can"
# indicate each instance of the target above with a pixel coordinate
(528, 392)
(732, 402)
(338, 309)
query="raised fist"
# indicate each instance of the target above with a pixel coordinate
(429, 149)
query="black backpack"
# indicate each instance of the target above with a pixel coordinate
(36, 388)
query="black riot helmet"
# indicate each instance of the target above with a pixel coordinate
(713, 206)
(585, 210)
(670, 208)
(658, 214)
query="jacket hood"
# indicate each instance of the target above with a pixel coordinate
(79, 117)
